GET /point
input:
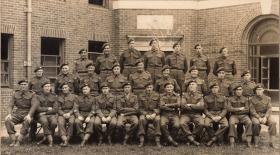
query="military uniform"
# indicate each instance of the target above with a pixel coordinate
(128, 60)
(116, 82)
(127, 109)
(93, 81)
(224, 85)
(72, 81)
(159, 85)
(104, 64)
(229, 67)
(248, 88)
(139, 80)
(80, 66)
(178, 66)
(201, 85)
(35, 84)
(154, 61)
(203, 65)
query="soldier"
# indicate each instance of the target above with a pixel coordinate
(224, 84)
(66, 77)
(116, 81)
(238, 106)
(260, 109)
(202, 87)
(192, 107)
(81, 63)
(202, 63)
(25, 103)
(129, 58)
(92, 79)
(127, 109)
(228, 64)
(247, 84)
(165, 79)
(178, 64)
(169, 105)
(106, 113)
(47, 112)
(140, 78)
(36, 82)
(149, 113)
(66, 119)
(84, 111)
(105, 62)
(154, 60)
(215, 110)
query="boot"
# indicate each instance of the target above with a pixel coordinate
(42, 141)
(256, 140)
(211, 141)
(231, 142)
(85, 139)
(125, 139)
(158, 142)
(248, 140)
(50, 139)
(19, 140)
(191, 139)
(13, 139)
(141, 141)
(100, 140)
(65, 141)
(174, 143)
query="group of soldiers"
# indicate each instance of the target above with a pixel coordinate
(138, 91)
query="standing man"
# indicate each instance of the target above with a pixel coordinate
(215, 110)
(169, 107)
(228, 64)
(106, 109)
(260, 109)
(178, 64)
(25, 103)
(36, 82)
(84, 111)
(192, 107)
(127, 109)
(116, 81)
(47, 112)
(92, 79)
(224, 84)
(202, 63)
(238, 106)
(81, 63)
(149, 113)
(247, 84)
(129, 58)
(105, 62)
(154, 60)
(66, 119)
(140, 78)
(66, 77)
(165, 78)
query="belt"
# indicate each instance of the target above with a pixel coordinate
(82, 71)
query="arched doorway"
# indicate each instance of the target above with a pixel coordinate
(263, 45)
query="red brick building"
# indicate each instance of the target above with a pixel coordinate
(50, 32)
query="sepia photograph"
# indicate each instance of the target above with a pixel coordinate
(147, 77)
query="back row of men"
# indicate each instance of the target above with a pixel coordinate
(116, 101)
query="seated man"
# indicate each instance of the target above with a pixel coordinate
(260, 109)
(47, 111)
(92, 79)
(238, 106)
(66, 101)
(192, 107)
(106, 113)
(169, 105)
(25, 104)
(127, 108)
(149, 113)
(215, 110)
(84, 111)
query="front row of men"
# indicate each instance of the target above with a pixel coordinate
(107, 114)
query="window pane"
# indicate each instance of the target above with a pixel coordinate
(265, 83)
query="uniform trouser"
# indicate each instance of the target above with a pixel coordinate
(16, 118)
(257, 126)
(143, 124)
(178, 75)
(129, 70)
(186, 119)
(155, 72)
(111, 125)
(104, 74)
(49, 123)
(132, 120)
(235, 119)
(88, 129)
(209, 126)
(164, 122)
(65, 126)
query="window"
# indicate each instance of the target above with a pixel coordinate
(6, 44)
(97, 2)
(51, 56)
(94, 49)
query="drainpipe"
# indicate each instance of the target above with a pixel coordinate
(28, 62)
